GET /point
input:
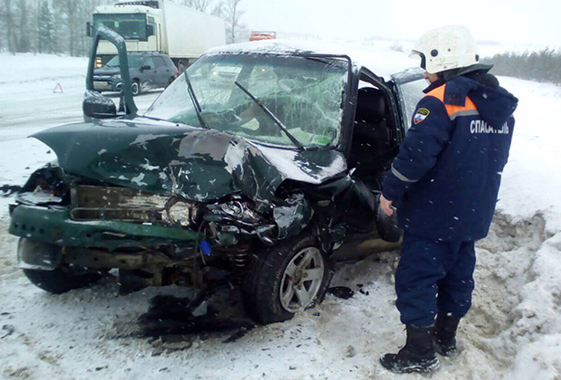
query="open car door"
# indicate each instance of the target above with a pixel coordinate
(408, 86)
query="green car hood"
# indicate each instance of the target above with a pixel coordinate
(197, 164)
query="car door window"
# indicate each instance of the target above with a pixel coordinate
(410, 85)
(374, 142)
(412, 92)
(160, 63)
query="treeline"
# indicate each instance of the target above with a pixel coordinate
(59, 26)
(46, 26)
(541, 66)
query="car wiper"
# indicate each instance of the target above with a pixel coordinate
(272, 116)
(318, 59)
(195, 101)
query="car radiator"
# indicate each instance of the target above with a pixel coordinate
(91, 203)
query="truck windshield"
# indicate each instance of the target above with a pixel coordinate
(130, 26)
(134, 61)
(305, 94)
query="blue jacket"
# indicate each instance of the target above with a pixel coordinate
(446, 176)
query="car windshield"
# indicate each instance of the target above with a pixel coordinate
(134, 61)
(130, 26)
(305, 94)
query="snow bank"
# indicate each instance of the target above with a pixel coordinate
(531, 180)
(26, 68)
(537, 325)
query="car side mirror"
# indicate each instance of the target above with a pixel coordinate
(88, 29)
(97, 106)
(145, 67)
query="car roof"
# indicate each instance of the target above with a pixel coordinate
(382, 62)
(147, 53)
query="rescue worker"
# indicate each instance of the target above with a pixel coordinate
(444, 183)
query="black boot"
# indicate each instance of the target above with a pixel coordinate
(418, 354)
(445, 334)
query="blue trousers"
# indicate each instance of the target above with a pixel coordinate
(433, 277)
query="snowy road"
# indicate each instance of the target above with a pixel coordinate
(28, 96)
(29, 105)
(512, 332)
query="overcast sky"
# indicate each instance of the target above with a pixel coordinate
(536, 22)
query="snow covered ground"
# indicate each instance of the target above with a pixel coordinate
(512, 332)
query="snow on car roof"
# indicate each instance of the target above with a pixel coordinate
(381, 60)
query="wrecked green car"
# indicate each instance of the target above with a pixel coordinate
(259, 165)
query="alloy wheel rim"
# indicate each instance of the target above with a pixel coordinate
(302, 279)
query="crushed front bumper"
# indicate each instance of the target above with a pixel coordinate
(54, 225)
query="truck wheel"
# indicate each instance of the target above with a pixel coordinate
(62, 279)
(290, 276)
(136, 88)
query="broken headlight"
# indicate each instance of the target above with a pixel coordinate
(236, 210)
(182, 213)
(130, 205)
(46, 185)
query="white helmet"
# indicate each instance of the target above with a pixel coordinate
(449, 47)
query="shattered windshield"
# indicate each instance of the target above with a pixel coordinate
(305, 94)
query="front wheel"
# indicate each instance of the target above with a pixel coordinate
(62, 279)
(290, 276)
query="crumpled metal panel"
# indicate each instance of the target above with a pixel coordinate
(197, 164)
(293, 217)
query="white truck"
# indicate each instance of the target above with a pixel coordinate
(158, 26)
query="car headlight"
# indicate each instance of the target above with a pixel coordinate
(182, 213)
(235, 211)
(116, 76)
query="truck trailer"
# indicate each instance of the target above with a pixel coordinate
(158, 26)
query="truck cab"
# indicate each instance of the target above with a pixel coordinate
(157, 26)
(139, 22)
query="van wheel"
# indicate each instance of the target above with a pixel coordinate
(288, 277)
(136, 88)
(170, 81)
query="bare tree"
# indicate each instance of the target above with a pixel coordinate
(46, 30)
(85, 11)
(200, 5)
(68, 11)
(218, 10)
(23, 45)
(9, 23)
(232, 15)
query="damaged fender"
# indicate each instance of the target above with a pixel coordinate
(292, 217)
(195, 164)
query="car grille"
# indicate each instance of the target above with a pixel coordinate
(91, 203)
(103, 78)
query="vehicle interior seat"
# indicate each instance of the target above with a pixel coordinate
(372, 144)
